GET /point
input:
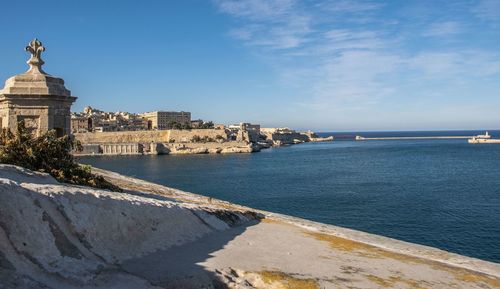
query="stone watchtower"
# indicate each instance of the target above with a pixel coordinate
(38, 99)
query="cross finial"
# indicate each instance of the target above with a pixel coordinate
(36, 48)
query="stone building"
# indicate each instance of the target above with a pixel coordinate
(164, 119)
(80, 124)
(36, 98)
(101, 121)
(245, 132)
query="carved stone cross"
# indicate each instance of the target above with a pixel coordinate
(36, 48)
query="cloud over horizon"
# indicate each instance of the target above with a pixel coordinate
(348, 56)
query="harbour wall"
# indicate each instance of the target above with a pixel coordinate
(360, 138)
(163, 136)
(194, 141)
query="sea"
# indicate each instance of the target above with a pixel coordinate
(439, 193)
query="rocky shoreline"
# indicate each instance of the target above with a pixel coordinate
(56, 235)
(195, 141)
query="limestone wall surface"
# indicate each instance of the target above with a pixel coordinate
(149, 136)
(55, 235)
(279, 138)
(123, 136)
(186, 135)
(210, 147)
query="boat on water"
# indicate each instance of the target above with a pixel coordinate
(483, 138)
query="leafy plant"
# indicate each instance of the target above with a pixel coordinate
(207, 125)
(49, 154)
(196, 138)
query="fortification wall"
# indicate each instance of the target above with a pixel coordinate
(182, 136)
(286, 138)
(164, 136)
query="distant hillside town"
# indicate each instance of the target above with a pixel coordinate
(95, 120)
(172, 132)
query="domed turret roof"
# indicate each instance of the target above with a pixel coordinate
(35, 81)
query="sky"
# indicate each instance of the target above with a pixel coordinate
(325, 65)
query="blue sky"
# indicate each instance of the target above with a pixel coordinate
(317, 64)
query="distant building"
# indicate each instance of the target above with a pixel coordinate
(94, 120)
(80, 124)
(164, 119)
(196, 123)
(245, 132)
(100, 121)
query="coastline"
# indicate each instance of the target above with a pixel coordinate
(394, 246)
(193, 141)
(154, 237)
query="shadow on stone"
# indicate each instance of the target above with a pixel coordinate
(181, 266)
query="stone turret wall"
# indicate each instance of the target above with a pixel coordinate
(36, 98)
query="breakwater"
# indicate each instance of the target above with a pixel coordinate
(483, 141)
(360, 138)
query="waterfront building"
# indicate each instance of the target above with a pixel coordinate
(100, 121)
(245, 131)
(196, 123)
(164, 119)
(80, 124)
(39, 100)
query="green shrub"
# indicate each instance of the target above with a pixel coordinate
(196, 138)
(49, 154)
(208, 139)
(207, 125)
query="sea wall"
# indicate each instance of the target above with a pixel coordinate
(208, 147)
(194, 141)
(167, 148)
(286, 138)
(55, 235)
(162, 136)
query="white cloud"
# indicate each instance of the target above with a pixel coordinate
(256, 9)
(349, 6)
(488, 10)
(455, 64)
(348, 39)
(275, 24)
(346, 66)
(443, 29)
(354, 77)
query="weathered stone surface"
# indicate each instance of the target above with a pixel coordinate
(237, 149)
(157, 136)
(68, 236)
(37, 98)
(61, 236)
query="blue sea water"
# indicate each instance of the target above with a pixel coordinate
(440, 193)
